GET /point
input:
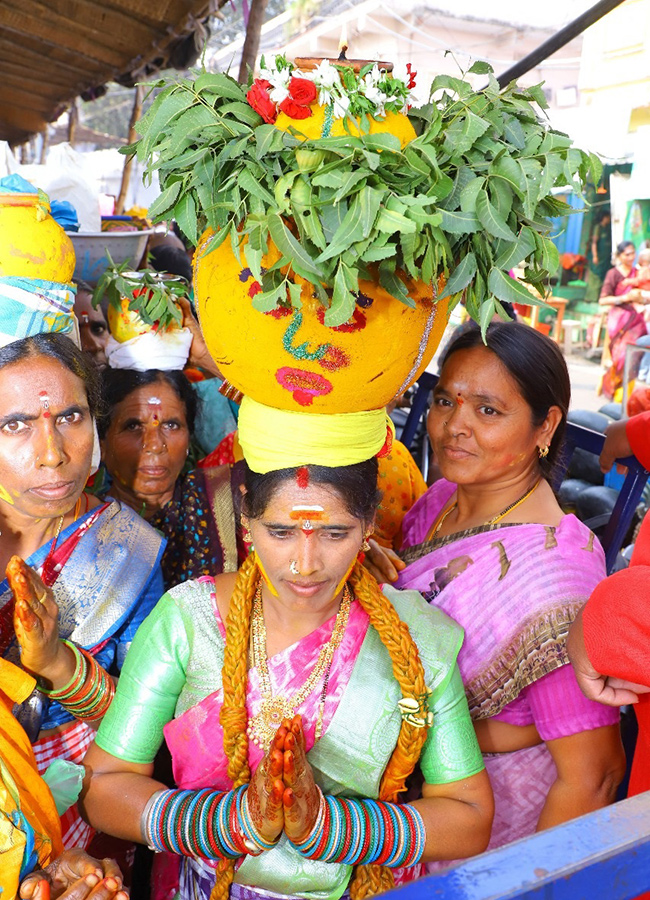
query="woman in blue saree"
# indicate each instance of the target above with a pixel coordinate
(98, 562)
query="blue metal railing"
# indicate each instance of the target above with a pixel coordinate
(602, 856)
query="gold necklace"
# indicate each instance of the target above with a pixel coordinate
(263, 726)
(493, 521)
(514, 505)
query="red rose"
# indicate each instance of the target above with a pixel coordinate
(302, 91)
(258, 97)
(255, 288)
(293, 110)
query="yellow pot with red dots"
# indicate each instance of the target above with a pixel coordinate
(289, 359)
(32, 244)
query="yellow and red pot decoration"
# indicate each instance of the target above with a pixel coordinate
(290, 357)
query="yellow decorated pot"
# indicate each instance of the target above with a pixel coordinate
(289, 359)
(32, 244)
(317, 125)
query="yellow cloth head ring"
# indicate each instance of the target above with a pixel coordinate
(273, 439)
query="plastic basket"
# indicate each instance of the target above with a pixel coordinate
(91, 251)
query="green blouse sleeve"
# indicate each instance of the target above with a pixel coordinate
(151, 681)
(451, 751)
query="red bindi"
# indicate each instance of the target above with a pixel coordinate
(302, 477)
(459, 400)
(45, 403)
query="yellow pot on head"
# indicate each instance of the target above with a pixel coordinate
(316, 125)
(289, 359)
(32, 244)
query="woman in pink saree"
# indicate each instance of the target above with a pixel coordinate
(489, 545)
(295, 701)
(625, 324)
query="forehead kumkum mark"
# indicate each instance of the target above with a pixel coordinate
(45, 403)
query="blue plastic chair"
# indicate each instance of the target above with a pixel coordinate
(618, 523)
(419, 407)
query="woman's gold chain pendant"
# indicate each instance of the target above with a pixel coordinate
(265, 723)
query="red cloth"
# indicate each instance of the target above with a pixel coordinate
(637, 430)
(639, 401)
(617, 638)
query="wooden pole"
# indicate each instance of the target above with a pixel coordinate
(73, 118)
(252, 39)
(128, 162)
(44, 146)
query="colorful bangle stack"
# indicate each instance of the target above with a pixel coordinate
(207, 824)
(358, 832)
(89, 692)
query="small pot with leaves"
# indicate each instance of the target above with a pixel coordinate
(144, 318)
(323, 205)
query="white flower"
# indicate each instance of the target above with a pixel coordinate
(279, 78)
(325, 75)
(373, 76)
(278, 92)
(400, 73)
(324, 97)
(341, 106)
(377, 97)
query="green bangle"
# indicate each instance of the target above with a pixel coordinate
(78, 676)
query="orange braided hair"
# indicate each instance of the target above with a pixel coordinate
(409, 674)
(407, 669)
(233, 716)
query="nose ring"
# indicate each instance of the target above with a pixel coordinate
(293, 567)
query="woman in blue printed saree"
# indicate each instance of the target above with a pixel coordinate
(98, 562)
(295, 697)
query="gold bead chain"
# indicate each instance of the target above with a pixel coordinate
(493, 521)
(263, 726)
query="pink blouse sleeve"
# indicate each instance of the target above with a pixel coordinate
(560, 709)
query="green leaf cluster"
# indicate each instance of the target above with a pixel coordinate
(150, 295)
(470, 198)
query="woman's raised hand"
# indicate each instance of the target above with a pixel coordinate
(301, 798)
(36, 624)
(265, 792)
(383, 562)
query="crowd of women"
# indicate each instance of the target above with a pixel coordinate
(342, 714)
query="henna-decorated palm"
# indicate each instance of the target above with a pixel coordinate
(301, 797)
(265, 792)
(36, 618)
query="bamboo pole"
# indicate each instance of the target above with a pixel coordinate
(252, 39)
(128, 162)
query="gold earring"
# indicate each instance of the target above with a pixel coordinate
(246, 532)
(543, 451)
(365, 546)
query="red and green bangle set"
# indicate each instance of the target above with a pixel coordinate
(216, 825)
(208, 824)
(89, 692)
(359, 832)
